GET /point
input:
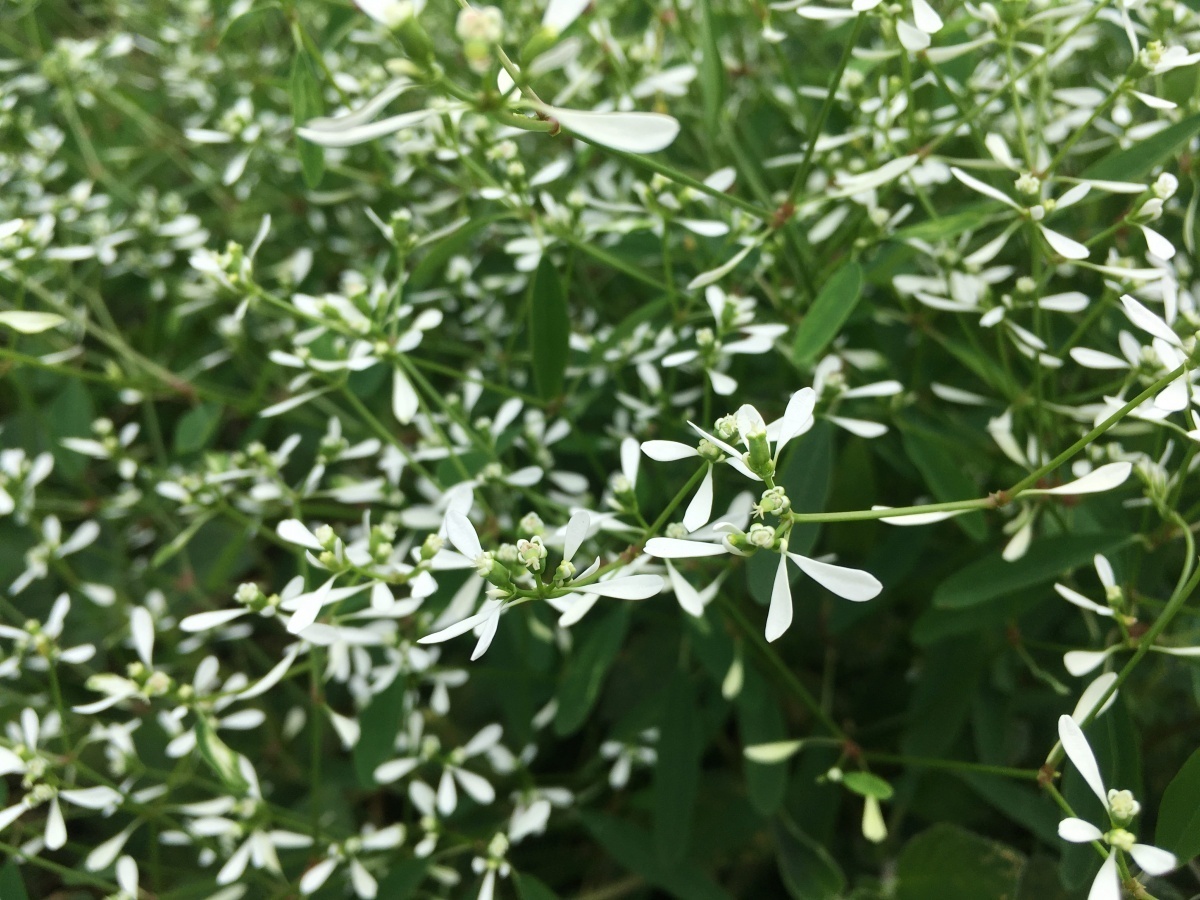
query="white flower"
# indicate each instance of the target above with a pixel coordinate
(1121, 809)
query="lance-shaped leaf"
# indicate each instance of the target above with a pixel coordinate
(549, 330)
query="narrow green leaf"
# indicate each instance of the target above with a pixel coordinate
(530, 888)
(307, 103)
(181, 540)
(441, 251)
(828, 313)
(222, 760)
(946, 862)
(12, 885)
(1179, 813)
(712, 68)
(676, 772)
(807, 869)
(585, 669)
(1135, 162)
(403, 879)
(1048, 558)
(549, 330)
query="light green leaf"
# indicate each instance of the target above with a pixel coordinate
(196, 427)
(307, 104)
(867, 785)
(1135, 162)
(220, 758)
(828, 313)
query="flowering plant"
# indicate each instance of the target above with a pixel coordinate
(417, 417)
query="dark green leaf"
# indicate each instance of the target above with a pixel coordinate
(530, 888)
(828, 313)
(307, 104)
(403, 879)
(941, 468)
(761, 722)
(196, 427)
(970, 219)
(712, 68)
(549, 330)
(12, 885)
(584, 670)
(1048, 558)
(1179, 813)
(807, 869)
(631, 846)
(381, 722)
(941, 703)
(442, 251)
(1135, 162)
(948, 863)
(676, 771)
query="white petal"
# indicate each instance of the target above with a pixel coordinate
(580, 606)
(797, 418)
(1157, 244)
(668, 451)
(1091, 696)
(294, 532)
(627, 587)
(723, 385)
(1153, 860)
(561, 13)
(461, 627)
(56, 828)
(462, 535)
(28, 322)
(1107, 885)
(677, 548)
(1081, 601)
(360, 134)
(699, 511)
(405, 402)
(688, 597)
(986, 189)
(1094, 359)
(632, 132)
(312, 880)
(927, 20)
(920, 518)
(888, 172)
(1078, 750)
(487, 634)
(1148, 321)
(92, 798)
(712, 276)
(1077, 831)
(912, 39)
(859, 427)
(1080, 662)
(206, 620)
(1063, 245)
(141, 625)
(395, 769)
(779, 615)
(364, 114)
(476, 785)
(852, 584)
(577, 529)
(1105, 478)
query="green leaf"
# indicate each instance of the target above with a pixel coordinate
(712, 68)
(867, 785)
(196, 427)
(807, 869)
(761, 722)
(222, 760)
(381, 722)
(941, 703)
(403, 879)
(1179, 813)
(181, 540)
(828, 313)
(942, 471)
(1047, 559)
(30, 322)
(946, 862)
(630, 846)
(1135, 162)
(549, 330)
(969, 219)
(307, 103)
(584, 670)
(676, 771)
(441, 251)
(12, 885)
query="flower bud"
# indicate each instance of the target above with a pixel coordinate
(1122, 807)
(761, 536)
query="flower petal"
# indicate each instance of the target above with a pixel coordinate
(851, 584)
(779, 614)
(668, 451)
(678, 548)
(1077, 831)
(699, 511)
(631, 132)
(1153, 860)
(462, 535)
(1078, 750)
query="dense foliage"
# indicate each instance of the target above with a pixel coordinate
(855, 343)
